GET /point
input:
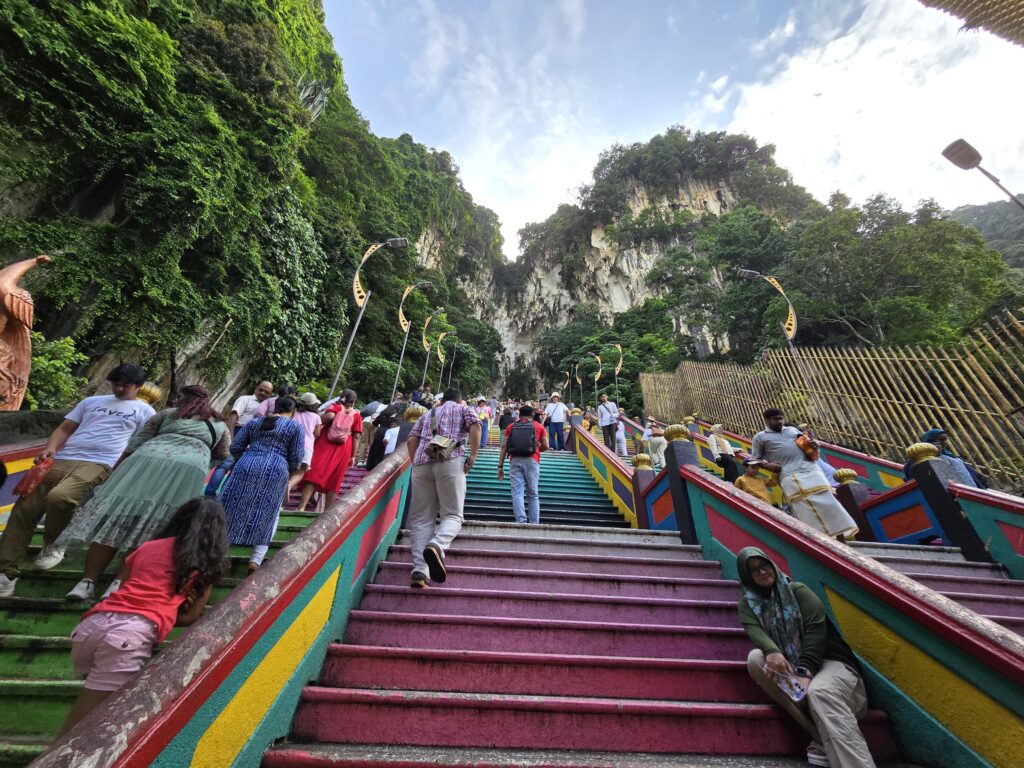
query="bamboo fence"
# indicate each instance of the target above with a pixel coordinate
(873, 399)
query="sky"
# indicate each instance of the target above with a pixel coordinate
(856, 95)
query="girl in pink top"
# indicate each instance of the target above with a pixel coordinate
(307, 415)
(165, 582)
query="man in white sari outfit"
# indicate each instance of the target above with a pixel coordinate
(809, 494)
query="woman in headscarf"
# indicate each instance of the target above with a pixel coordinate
(723, 453)
(795, 642)
(965, 473)
(163, 466)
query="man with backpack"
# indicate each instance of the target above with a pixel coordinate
(524, 441)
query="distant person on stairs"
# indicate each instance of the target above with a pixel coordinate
(608, 419)
(620, 438)
(789, 452)
(797, 648)
(723, 453)
(439, 482)
(556, 414)
(523, 443)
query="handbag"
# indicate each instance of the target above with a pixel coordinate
(33, 478)
(341, 428)
(440, 447)
(807, 445)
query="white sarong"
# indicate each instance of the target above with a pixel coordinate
(811, 500)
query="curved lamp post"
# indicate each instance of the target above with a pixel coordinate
(963, 155)
(362, 297)
(597, 375)
(426, 342)
(440, 356)
(788, 330)
(403, 321)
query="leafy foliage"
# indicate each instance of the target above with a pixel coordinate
(167, 152)
(52, 383)
(1000, 223)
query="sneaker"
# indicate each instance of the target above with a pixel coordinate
(419, 581)
(50, 557)
(7, 585)
(84, 590)
(817, 757)
(114, 586)
(435, 563)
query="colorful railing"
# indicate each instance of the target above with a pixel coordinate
(220, 694)
(903, 516)
(998, 519)
(16, 460)
(952, 682)
(614, 478)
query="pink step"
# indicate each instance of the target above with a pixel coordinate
(475, 633)
(981, 586)
(485, 720)
(537, 605)
(352, 666)
(460, 577)
(568, 562)
(990, 605)
(961, 570)
(571, 546)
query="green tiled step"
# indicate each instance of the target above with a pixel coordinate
(566, 509)
(17, 752)
(284, 533)
(500, 493)
(35, 708)
(58, 582)
(32, 656)
(548, 518)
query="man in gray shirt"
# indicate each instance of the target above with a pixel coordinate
(806, 488)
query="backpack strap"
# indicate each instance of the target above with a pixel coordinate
(213, 433)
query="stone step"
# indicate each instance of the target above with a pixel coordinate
(35, 708)
(582, 532)
(532, 605)
(483, 720)
(908, 551)
(590, 638)
(511, 544)
(536, 674)
(16, 752)
(944, 567)
(977, 586)
(609, 563)
(557, 582)
(313, 755)
(990, 605)
(549, 517)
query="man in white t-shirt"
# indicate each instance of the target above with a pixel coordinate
(245, 407)
(84, 449)
(608, 420)
(556, 414)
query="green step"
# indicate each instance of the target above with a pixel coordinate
(35, 708)
(18, 752)
(32, 656)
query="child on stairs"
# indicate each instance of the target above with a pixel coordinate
(165, 582)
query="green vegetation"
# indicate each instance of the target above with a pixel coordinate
(196, 166)
(1000, 223)
(51, 382)
(869, 274)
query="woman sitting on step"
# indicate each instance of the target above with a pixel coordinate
(802, 663)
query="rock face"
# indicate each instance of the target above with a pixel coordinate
(612, 278)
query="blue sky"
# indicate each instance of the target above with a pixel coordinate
(858, 95)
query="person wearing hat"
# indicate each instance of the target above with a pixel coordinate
(555, 415)
(483, 412)
(752, 482)
(308, 415)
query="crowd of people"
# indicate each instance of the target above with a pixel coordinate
(175, 488)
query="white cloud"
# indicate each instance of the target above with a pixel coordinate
(672, 22)
(512, 118)
(720, 83)
(776, 38)
(871, 109)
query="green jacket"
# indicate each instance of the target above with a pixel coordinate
(821, 640)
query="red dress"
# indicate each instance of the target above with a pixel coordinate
(331, 460)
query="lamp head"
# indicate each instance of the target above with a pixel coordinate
(747, 274)
(396, 242)
(962, 155)
(423, 284)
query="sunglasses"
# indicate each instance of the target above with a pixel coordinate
(763, 568)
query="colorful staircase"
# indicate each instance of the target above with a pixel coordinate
(568, 494)
(37, 684)
(584, 645)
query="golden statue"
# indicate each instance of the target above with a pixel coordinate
(16, 312)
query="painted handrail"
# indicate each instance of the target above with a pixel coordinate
(17, 459)
(998, 519)
(952, 681)
(615, 478)
(226, 689)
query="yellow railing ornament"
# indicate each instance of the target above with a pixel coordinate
(846, 476)
(922, 452)
(641, 461)
(677, 432)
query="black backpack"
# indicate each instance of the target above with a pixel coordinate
(522, 440)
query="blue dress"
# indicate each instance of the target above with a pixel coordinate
(254, 492)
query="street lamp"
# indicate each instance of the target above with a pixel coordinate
(406, 325)
(597, 375)
(440, 356)
(426, 342)
(963, 155)
(788, 330)
(440, 377)
(362, 297)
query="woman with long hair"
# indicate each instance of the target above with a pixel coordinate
(266, 450)
(163, 466)
(165, 582)
(333, 452)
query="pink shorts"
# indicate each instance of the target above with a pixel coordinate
(108, 648)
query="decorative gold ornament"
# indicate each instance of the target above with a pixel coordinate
(677, 432)
(358, 292)
(846, 476)
(577, 412)
(440, 352)
(413, 412)
(922, 452)
(402, 319)
(641, 461)
(618, 366)
(689, 420)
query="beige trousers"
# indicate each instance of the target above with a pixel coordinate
(438, 491)
(836, 699)
(657, 446)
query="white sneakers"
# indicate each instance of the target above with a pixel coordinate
(7, 585)
(84, 590)
(50, 557)
(114, 586)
